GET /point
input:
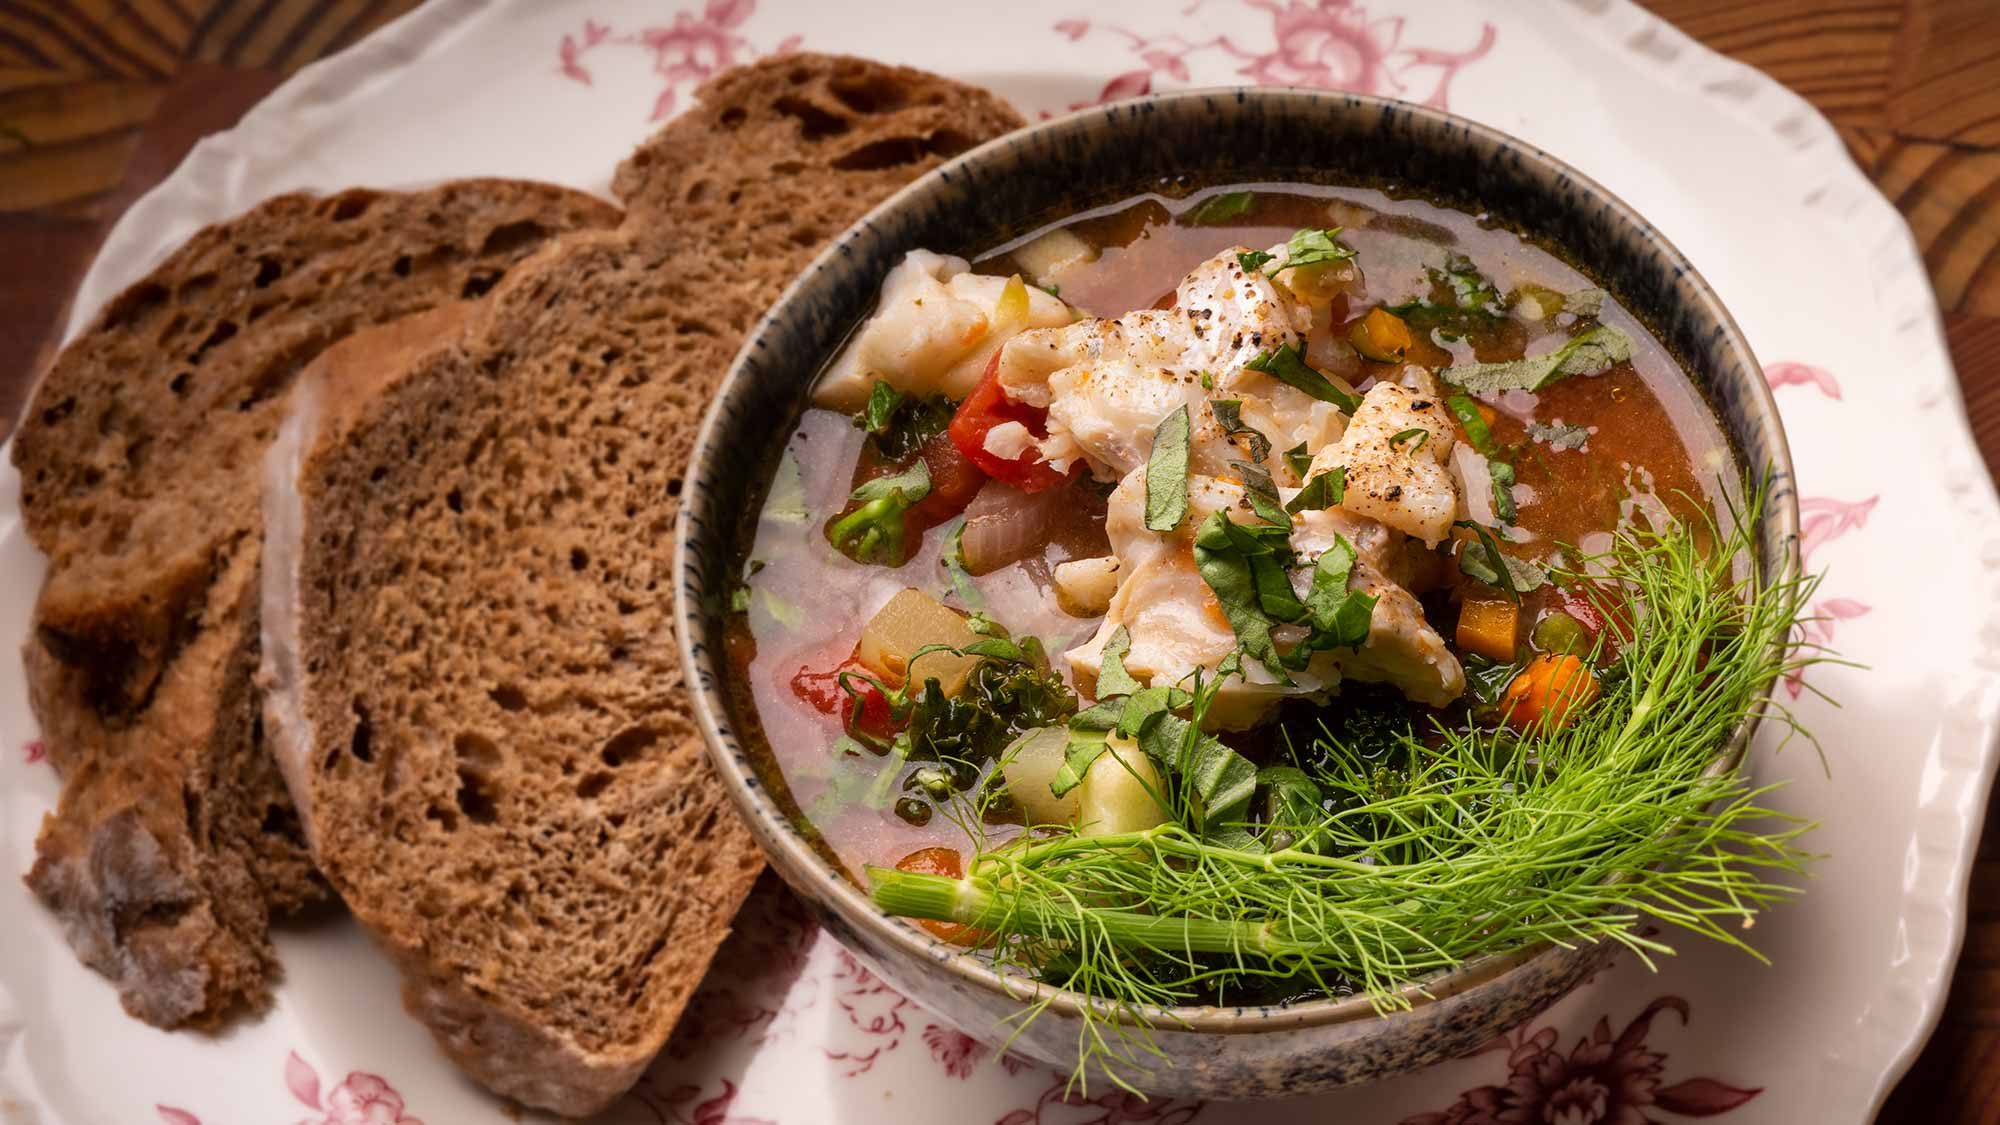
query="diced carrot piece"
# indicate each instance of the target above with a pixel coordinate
(1551, 689)
(1487, 627)
(1381, 336)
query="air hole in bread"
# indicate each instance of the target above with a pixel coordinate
(192, 290)
(800, 76)
(889, 152)
(507, 697)
(57, 413)
(455, 500)
(871, 95)
(268, 271)
(734, 196)
(401, 266)
(578, 558)
(172, 330)
(628, 745)
(133, 304)
(815, 123)
(358, 744)
(477, 284)
(597, 782)
(444, 818)
(674, 487)
(476, 753)
(350, 205)
(258, 310)
(475, 800)
(506, 238)
(379, 472)
(218, 335)
(806, 236)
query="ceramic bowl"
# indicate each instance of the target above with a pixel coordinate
(1036, 175)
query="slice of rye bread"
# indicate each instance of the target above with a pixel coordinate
(174, 841)
(472, 682)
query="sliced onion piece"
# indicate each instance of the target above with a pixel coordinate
(1475, 484)
(1004, 525)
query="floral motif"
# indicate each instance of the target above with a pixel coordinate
(954, 1050)
(1822, 520)
(1322, 44)
(1603, 1080)
(360, 1099)
(872, 1007)
(34, 751)
(1061, 1102)
(685, 52)
(1802, 374)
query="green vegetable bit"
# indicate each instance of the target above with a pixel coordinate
(1590, 352)
(1372, 867)
(1323, 491)
(1229, 415)
(1166, 473)
(1222, 208)
(1288, 365)
(874, 532)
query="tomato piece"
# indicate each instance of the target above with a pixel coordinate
(945, 862)
(822, 691)
(987, 407)
(955, 480)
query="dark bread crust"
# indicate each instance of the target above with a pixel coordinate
(174, 842)
(472, 679)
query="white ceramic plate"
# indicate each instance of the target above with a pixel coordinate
(1741, 174)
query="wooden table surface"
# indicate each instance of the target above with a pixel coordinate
(99, 99)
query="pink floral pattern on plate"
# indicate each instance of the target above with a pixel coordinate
(1603, 1080)
(1823, 519)
(359, 1099)
(34, 751)
(685, 52)
(1803, 375)
(1324, 44)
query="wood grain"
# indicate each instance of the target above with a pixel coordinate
(100, 99)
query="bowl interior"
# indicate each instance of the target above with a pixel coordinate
(1169, 144)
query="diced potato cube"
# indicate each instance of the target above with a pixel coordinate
(1117, 794)
(912, 620)
(1084, 586)
(1049, 257)
(1029, 766)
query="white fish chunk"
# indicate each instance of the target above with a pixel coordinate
(1395, 449)
(933, 331)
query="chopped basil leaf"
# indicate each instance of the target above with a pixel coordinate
(1229, 412)
(1472, 422)
(1299, 460)
(1322, 491)
(1262, 493)
(1485, 562)
(1312, 247)
(883, 400)
(1207, 381)
(1487, 679)
(1340, 616)
(1222, 208)
(1591, 352)
(1461, 301)
(1288, 365)
(1416, 436)
(1166, 473)
(1559, 435)
(1253, 261)
(1225, 554)
(1584, 302)
(1083, 748)
(912, 485)
(1112, 678)
(1503, 491)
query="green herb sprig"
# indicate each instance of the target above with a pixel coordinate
(1484, 841)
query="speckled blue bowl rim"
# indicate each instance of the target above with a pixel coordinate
(795, 856)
